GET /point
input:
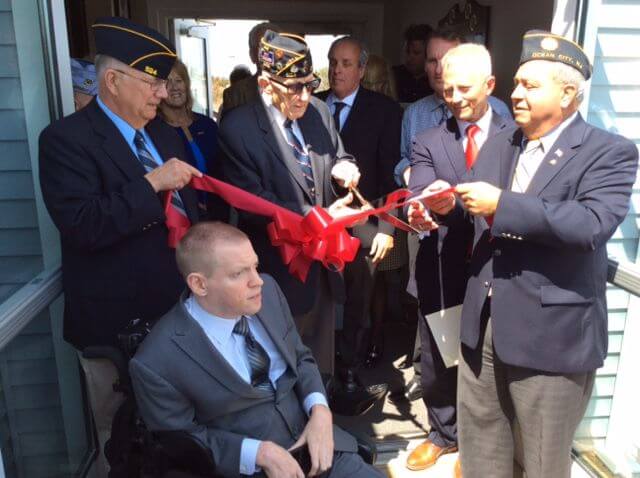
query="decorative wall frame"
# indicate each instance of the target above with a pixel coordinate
(471, 20)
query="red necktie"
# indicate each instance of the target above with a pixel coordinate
(471, 153)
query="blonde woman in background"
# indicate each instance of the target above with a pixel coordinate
(377, 77)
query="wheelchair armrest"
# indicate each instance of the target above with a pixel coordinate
(114, 355)
(367, 449)
(186, 452)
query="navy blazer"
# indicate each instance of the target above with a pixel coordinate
(371, 134)
(259, 160)
(116, 264)
(544, 257)
(442, 260)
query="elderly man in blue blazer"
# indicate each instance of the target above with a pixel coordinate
(545, 198)
(227, 365)
(447, 152)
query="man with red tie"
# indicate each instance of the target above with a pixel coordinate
(447, 152)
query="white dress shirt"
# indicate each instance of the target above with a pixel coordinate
(484, 123)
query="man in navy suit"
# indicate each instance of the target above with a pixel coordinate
(104, 172)
(285, 148)
(545, 198)
(447, 152)
(369, 124)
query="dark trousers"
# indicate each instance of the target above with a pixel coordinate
(359, 279)
(439, 386)
(317, 327)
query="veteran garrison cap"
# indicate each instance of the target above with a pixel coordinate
(138, 46)
(83, 76)
(542, 45)
(285, 55)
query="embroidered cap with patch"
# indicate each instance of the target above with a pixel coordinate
(542, 45)
(136, 45)
(281, 52)
(83, 76)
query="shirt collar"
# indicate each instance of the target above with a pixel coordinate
(215, 327)
(127, 131)
(552, 136)
(347, 100)
(433, 102)
(483, 123)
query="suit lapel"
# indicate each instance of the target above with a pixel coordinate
(311, 130)
(195, 344)
(114, 145)
(283, 151)
(561, 152)
(187, 194)
(453, 148)
(358, 111)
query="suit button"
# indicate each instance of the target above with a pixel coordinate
(486, 283)
(497, 253)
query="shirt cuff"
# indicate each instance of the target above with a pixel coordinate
(398, 171)
(248, 454)
(315, 398)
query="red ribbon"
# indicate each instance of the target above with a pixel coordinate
(300, 240)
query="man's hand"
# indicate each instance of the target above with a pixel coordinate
(174, 174)
(442, 203)
(346, 174)
(277, 462)
(480, 199)
(419, 217)
(380, 247)
(318, 436)
(340, 208)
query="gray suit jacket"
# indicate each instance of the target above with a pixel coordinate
(181, 382)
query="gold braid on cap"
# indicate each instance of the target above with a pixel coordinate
(296, 56)
(133, 32)
(144, 57)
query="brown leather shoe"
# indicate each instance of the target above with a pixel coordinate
(457, 469)
(426, 454)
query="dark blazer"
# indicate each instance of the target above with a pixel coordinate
(182, 382)
(259, 160)
(116, 264)
(371, 134)
(545, 258)
(442, 260)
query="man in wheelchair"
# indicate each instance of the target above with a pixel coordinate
(227, 366)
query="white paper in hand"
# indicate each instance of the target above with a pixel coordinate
(445, 327)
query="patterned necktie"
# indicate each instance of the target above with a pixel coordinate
(301, 157)
(527, 166)
(259, 361)
(471, 153)
(444, 113)
(338, 105)
(149, 165)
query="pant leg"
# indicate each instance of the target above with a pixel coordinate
(100, 375)
(485, 436)
(351, 465)
(317, 327)
(359, 278)
(439, 390)
(548, 408)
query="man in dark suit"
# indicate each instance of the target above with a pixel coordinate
(227, 365)
(102, 172)
(284, 147)
(369, 124)
(546, 197)
(447, 152)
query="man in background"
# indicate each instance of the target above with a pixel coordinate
(410, 78)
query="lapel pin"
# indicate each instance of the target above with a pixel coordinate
(553, 161)
(558, 153)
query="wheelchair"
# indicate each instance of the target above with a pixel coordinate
(133, 451)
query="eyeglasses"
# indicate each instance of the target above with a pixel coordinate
(296, 88)
(155, 85)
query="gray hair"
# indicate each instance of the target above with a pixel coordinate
(104, 62)
(476, 56)
(364, 51)
(567, 75)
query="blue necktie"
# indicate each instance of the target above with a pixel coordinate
(149, 165)
(338, 105)
(259, 361)
(301, 157)
(444, 113)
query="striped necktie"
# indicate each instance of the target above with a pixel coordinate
(259, 361)
(527, 166)
(149, 165)
(301, 156)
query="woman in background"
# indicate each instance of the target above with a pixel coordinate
(200, 136)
